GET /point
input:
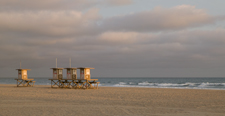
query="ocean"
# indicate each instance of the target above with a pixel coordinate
(217, 83)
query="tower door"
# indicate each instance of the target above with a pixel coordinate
(68, 74)
(55, 74)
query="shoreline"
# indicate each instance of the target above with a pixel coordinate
(138, 87)
(110, 101)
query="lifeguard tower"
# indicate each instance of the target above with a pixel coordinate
(85, 72)
(85, 81)
(22, 73)
(23, 78)
(57, 73)
(71, 73)
(57, 76)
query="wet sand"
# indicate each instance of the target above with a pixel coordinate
(110, 101)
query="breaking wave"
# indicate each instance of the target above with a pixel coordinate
(187, 85)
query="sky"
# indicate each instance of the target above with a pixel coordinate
(119, 38)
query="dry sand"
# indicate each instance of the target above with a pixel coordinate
(110, 101)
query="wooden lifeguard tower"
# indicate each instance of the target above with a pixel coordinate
(85, 72)
(57, 73)
(23, 78)
(85, 80)
(71, 73)
(57, 76)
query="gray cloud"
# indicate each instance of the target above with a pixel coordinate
(119, 2)
(48, 23)
(46, 5)
(56, 5)
(159, 19)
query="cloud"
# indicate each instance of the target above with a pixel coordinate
(57, 5)
(14, 5)
(58, 23)
(159, 19)
(119, 2)
(70, 22)
(182, 49)
(119, 37)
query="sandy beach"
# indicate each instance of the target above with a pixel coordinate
(110, 101)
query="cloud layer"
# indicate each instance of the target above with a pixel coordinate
(162, 39)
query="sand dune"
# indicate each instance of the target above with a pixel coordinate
(110, 101)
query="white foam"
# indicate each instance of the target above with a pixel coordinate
(131, 83)
(211, 84)
(187, 85)
(122, 83)
(146, 84)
